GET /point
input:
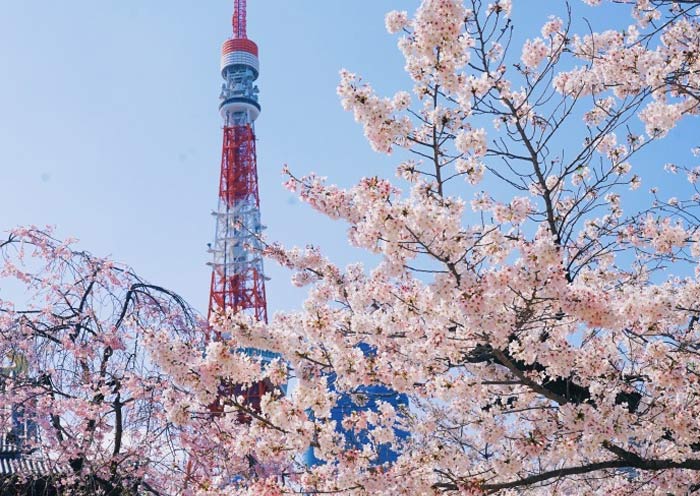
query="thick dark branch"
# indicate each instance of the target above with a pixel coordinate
(560, 390)
(634, 462)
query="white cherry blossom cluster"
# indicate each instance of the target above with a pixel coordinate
(396, 21)
(472, 141)
(549, 46)
(382, 128)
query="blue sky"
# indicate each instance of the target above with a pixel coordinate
(109, 126)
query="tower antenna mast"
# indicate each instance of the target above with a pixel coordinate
(240, 14)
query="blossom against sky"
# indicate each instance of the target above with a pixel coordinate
(109, 126)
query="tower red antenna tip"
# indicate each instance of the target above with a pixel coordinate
(239, 19)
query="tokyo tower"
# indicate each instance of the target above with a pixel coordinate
(237, 279)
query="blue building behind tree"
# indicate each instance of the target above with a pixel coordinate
(365, 398)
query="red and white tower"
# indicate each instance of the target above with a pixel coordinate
(237, 279)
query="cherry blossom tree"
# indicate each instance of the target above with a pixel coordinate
(81, 395)
(541, 317)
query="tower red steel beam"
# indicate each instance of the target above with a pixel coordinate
(238, 279)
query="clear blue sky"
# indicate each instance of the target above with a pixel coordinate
(109, 126)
